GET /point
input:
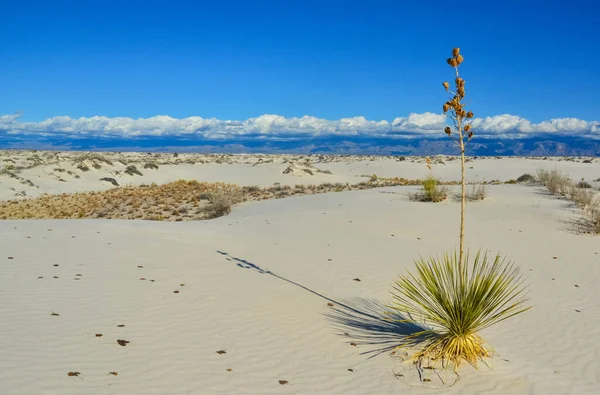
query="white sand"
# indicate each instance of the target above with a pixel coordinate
(258, 281)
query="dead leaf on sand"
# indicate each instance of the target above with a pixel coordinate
(54, 314)
(282, 382)
(123, 343)
(113, 373)
(221, 352)
(73, 374)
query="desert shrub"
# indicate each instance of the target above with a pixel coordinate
(111, 180)
(325, 171)
(432, 191)
(96, 165)
(526, 179)
(83, 167)
(131, 170)
(511, 181)
(150, 165)
(477, 192)
(252, 188)
(583, 184)
(219, 205)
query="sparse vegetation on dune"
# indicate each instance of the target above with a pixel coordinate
(580, 193)
(176, 201)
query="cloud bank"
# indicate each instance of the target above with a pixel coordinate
(278, 128)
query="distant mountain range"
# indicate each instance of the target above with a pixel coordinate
(532, 146)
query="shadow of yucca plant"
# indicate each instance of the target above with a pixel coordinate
(454, 297)
(456, 305)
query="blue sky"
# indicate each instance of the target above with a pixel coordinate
(236, 60)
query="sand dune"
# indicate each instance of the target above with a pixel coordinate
(275, 286)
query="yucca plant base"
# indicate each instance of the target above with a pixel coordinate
(456, 306)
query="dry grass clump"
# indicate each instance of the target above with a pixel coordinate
(556, 181)
(477, 192)
(580, 193)
(176, 201)
(582, 197)
(591, 214)
(432, 191)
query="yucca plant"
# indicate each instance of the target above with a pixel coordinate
(453, 297)
(457, 310)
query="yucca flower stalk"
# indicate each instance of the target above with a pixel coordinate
(461, 136)
(452, 297)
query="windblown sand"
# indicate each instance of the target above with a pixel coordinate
(267, 300)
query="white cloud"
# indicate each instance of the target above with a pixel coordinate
(270, 126)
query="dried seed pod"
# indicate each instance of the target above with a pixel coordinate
(445, 107)
(470, 135)
(461, 91)
(470, 114)
(448, 130)
(455, 51)
(446, 85)
(459, 59)
(459, 81)
(452, 62)
(467, 128)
